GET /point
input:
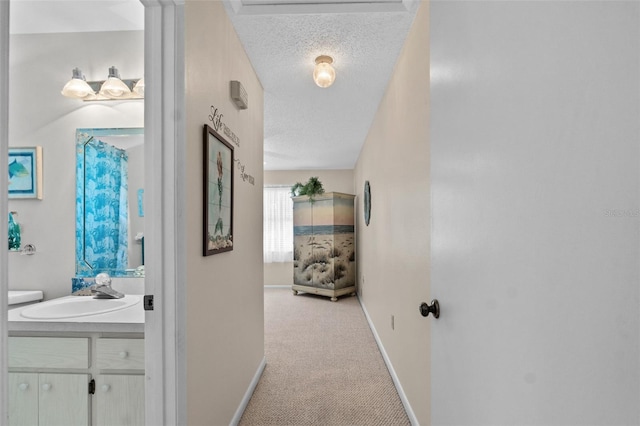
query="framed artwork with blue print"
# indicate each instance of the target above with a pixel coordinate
(25, 172)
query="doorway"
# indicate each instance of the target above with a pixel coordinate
(161, 394)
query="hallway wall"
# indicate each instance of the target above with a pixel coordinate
(281, 273)
(393, 251)
(225, 321)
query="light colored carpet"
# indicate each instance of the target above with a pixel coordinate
(323, 366)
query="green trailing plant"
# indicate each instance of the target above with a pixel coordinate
(312, 188)
(295, 189)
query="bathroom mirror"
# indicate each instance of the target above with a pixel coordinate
(109, 202)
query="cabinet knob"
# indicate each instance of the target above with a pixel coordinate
(124, 354)
(46, 387)
(105, 388)
(23, 386)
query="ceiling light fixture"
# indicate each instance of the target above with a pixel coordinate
(323, 74)
(113, 88)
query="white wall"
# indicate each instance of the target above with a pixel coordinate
(40, 65)
(225, 312)
(393, 251)
(281, 273)
(535, 124)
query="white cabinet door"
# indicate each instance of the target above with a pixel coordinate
(23, 399)
(120, 400)
(64, 399)
(48, 399)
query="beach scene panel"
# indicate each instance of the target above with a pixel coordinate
(324, 244)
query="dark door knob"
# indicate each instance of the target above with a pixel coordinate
(433, 308)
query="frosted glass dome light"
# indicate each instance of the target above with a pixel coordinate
(77, 87)
(139, 87)
(323, 74)
(113, 87)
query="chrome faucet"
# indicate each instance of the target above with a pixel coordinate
(102, 289)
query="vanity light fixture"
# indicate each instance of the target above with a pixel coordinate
(323, 74)
(113, 88)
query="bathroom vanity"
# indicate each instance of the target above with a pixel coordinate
(78, 370)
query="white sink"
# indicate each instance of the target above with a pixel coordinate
(77, 306)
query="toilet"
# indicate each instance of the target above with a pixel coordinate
(19, 298)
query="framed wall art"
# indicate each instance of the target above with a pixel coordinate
(218, 193)
(25, 172)
(367, 203)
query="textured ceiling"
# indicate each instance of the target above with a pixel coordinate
(306, 127)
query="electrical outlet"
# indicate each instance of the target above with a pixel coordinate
(393, 322)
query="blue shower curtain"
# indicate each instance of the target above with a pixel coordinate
(106, 207)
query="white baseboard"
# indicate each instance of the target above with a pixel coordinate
(277, 286)
(248, 393)
(394, 376)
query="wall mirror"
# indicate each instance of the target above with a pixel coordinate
(109, 202)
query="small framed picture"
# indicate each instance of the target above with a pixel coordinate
(25, 172)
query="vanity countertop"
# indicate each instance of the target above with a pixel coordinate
(128, 320)
(24, 296)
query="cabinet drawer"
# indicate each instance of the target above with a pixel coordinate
(120, 354)
(49, 352)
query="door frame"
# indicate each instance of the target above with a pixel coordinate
(165, 269)
(165, 387)
(4, 204)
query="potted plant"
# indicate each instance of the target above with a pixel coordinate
(312, 188)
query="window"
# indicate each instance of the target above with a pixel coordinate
(278, 225)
